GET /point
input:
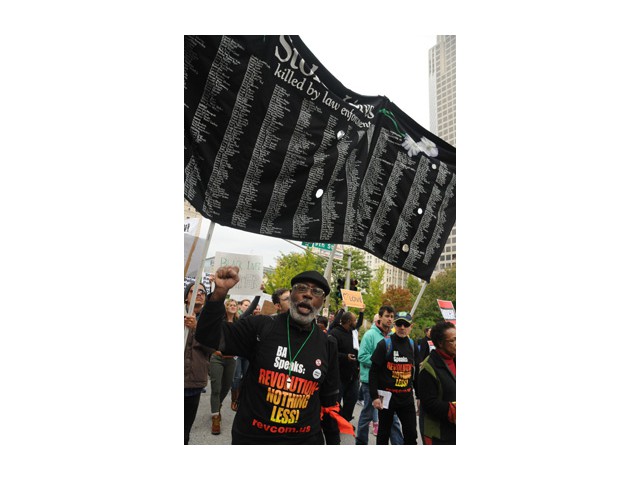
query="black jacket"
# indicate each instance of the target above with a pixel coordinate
(349, 370)
(435, 393)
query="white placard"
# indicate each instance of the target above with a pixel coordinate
(194, 239)
(251, 271)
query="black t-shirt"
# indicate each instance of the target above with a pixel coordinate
(394, 372)
(272, 411)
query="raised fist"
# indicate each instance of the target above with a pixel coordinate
(226, 278)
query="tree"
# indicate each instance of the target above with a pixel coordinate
(372, 297)
(399, 298)
(359, 271)
(289, 265)
(442, 287)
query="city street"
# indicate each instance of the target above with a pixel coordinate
(201, 430)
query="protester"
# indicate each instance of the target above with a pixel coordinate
(393, 367)
(196, 359)
(375, 334)
(437, 387)
(424, 345)
(290, 393)
(221, 371)
(348, 361)
(322, 323)
(242, 364)
(243, 306)
(280, 299)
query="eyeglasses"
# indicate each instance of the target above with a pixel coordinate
(403, 323)
(200, 292)
(302, 288)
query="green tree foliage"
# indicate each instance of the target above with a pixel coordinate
(291, 264)
(359, 271)
(414, 285)
(442, 287)
(372, 297)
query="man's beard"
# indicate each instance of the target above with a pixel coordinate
(301, 319)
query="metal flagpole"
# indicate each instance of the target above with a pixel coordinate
(196, 285)
(415, 305)
(327, 271)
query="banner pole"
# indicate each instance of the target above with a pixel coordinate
(415, 305)
(192, 304)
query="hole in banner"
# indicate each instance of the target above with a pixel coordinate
(319, 193)
(419, 211)
(340, 134)
(405, 248)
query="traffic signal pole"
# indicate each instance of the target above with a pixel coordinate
(327, 272)
(347, 280)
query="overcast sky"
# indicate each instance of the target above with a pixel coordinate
(397, 69)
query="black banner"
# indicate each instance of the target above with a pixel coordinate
(276, 145)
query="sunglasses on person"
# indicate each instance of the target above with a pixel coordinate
(402, 323)
(302, 288)
(200, 292)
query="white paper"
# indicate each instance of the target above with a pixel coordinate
(356, 343)
(386, 398)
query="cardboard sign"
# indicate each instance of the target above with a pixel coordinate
(250, 271)
(448, 312)
(352, 298)
(194, 241)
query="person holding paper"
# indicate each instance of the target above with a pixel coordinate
(393, 366)
(377, 333)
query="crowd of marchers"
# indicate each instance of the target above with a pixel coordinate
(295, 377)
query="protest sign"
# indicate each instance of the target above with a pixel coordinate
(195, 230)
(250, 271)
(352, 298)
(448, 312)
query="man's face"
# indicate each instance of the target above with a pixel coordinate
(244, 305)
(386, 320)
(285, 298)
(200, 298)
(305, 305)
(449, 342)
(403, 328)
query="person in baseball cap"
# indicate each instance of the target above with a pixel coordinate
(403, 317)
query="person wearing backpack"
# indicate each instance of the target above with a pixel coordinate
(393, 367)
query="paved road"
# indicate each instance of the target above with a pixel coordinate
(201, 430)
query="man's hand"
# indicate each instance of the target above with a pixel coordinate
(190, 321)
(351, 357)
(377, 404)
(224, 279)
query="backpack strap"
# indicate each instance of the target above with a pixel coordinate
(387, 342)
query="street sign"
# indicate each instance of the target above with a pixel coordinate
(322, 246)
